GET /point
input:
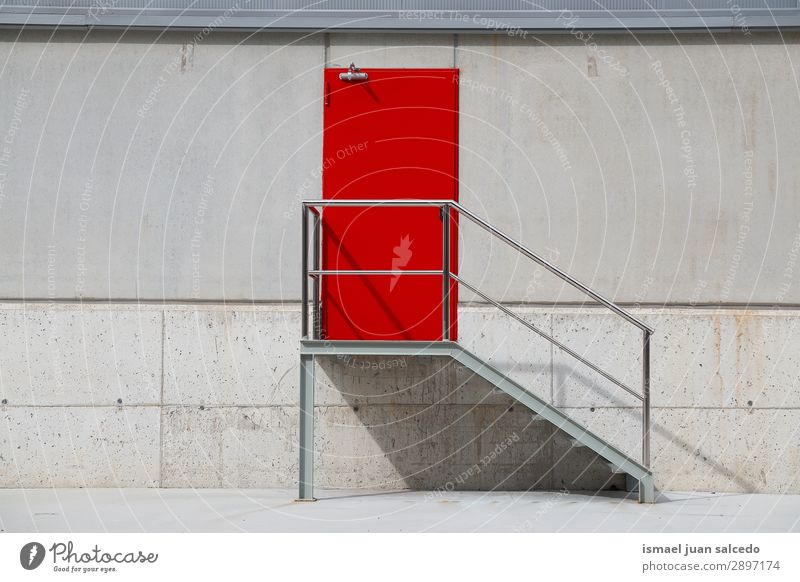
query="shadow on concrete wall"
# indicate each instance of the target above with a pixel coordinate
(431, 426)
(683, 456)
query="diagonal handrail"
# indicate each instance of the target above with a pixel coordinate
(552, 268)
(447, 275)
(546, 336)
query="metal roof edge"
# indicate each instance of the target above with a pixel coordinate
(501, 23)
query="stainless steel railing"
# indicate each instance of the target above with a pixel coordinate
(313, 208)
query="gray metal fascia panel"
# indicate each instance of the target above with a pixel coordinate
(375, 21)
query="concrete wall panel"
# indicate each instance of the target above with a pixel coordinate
(81, 446)
(725, 359)
(158, 165)
(229, 446)
(607, 341)
(509, 346)
(648, 168)
(74, 356)
(723, 410)
(369, 380)
(231, 357)
(453, 447)
(701, 449)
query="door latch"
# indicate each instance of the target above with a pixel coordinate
(353, 74)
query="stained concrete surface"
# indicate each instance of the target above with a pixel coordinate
(274, 510)
(146, 395)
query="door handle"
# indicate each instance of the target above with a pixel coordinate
(353, 74)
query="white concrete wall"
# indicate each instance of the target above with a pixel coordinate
(206, 396)
(145, 165)
(166, 167)
(148, 167)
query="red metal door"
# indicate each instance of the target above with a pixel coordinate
(394, 135)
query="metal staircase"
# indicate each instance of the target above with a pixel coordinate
(312, 345)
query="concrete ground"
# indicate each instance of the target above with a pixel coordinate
(273, 510)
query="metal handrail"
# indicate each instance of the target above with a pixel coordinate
(546, 336)
(447, 276)
(552, 268)
(496, 232)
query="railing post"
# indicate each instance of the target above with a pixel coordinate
(445, 210)
(646, 398)
(315, 313)
(304, 281)
(306, 437)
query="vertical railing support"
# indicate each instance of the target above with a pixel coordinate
(316, 318)
(304, 280)
(445, 210)
(306, 443)
(646, 398)
(306, 437)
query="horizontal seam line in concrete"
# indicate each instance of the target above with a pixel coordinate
(679, 407)
(391, 403)
(133, 405)
(296, 303)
